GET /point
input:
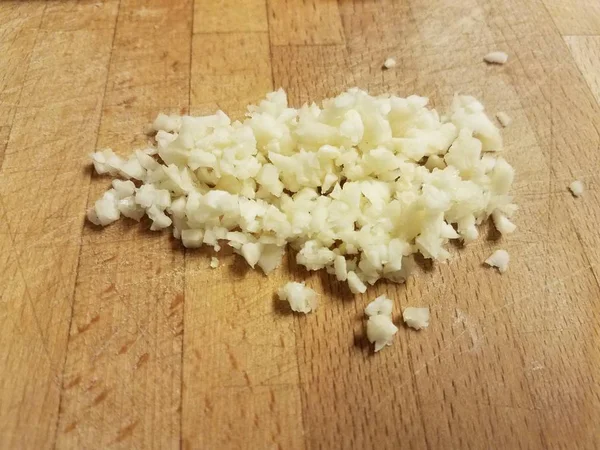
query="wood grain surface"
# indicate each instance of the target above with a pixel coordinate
(120, 338)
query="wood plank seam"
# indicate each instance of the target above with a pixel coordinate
(212, 33)
(552, 18)
(190, 74)
(185, 254)
(35, 41)
(572, 57)
(549, 187)
(418, 399)
(575, 17)
(81, 234)
(585, 254)
(590, 87)
(411, 357)
(270, 43)
(291, 261)
(307, 45)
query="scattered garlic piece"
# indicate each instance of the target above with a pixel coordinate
(214, 262)
(576, 188)
(502, 223)
(390, 63)
(340, 268)
(496, 58)
(499, 259)
(301, 298)
(251, 253)
(381, 305)
(504, 119)
(192, 238)
(355, 283)
(416, 318)
(380, 328)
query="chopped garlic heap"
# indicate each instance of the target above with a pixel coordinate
(301, 298)
(416, 318)
(496, 58)
(576, 188)
(390, 63)
(499, 259)
(380, 328)
(355, 186)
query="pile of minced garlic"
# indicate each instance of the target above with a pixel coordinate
(355, 185)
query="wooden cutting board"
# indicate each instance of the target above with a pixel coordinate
(121, 339)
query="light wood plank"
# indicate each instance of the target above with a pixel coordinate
(34, 315)
(323, 68)
(20, 24)
(539, 84)
(535, 306)
(298, 22)
(564, 114)
(230, 16)
(89, 15)
(17, 16)
(580, 17)
(16, 53)
(122, 383)
(229, 72)
(41, 238)
(584, 50)
(583, 213)
(62, 83)
(240, 371)
(586, 53)
(451, 25)
(346, 390)
(375, 31)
